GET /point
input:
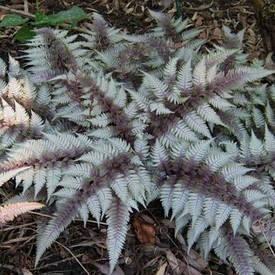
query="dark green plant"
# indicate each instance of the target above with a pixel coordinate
(179, 8)
(26, 31)
(104, 125)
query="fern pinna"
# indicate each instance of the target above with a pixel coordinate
(106, 121)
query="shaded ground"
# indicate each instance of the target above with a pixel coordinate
(88, 245)
(133, 16)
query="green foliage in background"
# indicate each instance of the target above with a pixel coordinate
(72, 16)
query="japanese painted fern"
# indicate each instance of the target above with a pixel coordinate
(105, 122)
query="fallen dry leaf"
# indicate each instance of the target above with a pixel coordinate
(166, 3)
(2, 15)
(173, 262)
(196, 260)
(116, 4)
(258, 4)
(25, 271)
(217, 35)
(203, 35)
(253, 55)
(146, 232)
(179, 267)
(193, 258)
(105, 268)
(198, 22)
(162, 269)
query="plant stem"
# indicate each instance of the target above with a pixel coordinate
(29, 15)
(179, 8)
(37, 4)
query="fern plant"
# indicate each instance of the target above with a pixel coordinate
(10, 211)
(104, 122)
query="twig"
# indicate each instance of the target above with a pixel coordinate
(69, 250)
(23, 13)
(16, 240)
(200, 8)
(77, 220)
(266, 239)
(17, 226)
(56, 263)
(26, 6)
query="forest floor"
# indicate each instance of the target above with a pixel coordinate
(150, 246)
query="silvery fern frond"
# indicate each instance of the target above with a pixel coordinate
(236, 249)
(117, 219)
(105, 125)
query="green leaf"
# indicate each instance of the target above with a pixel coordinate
(72, 15)
(39, 16)
(24, 34)
(13, 20)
